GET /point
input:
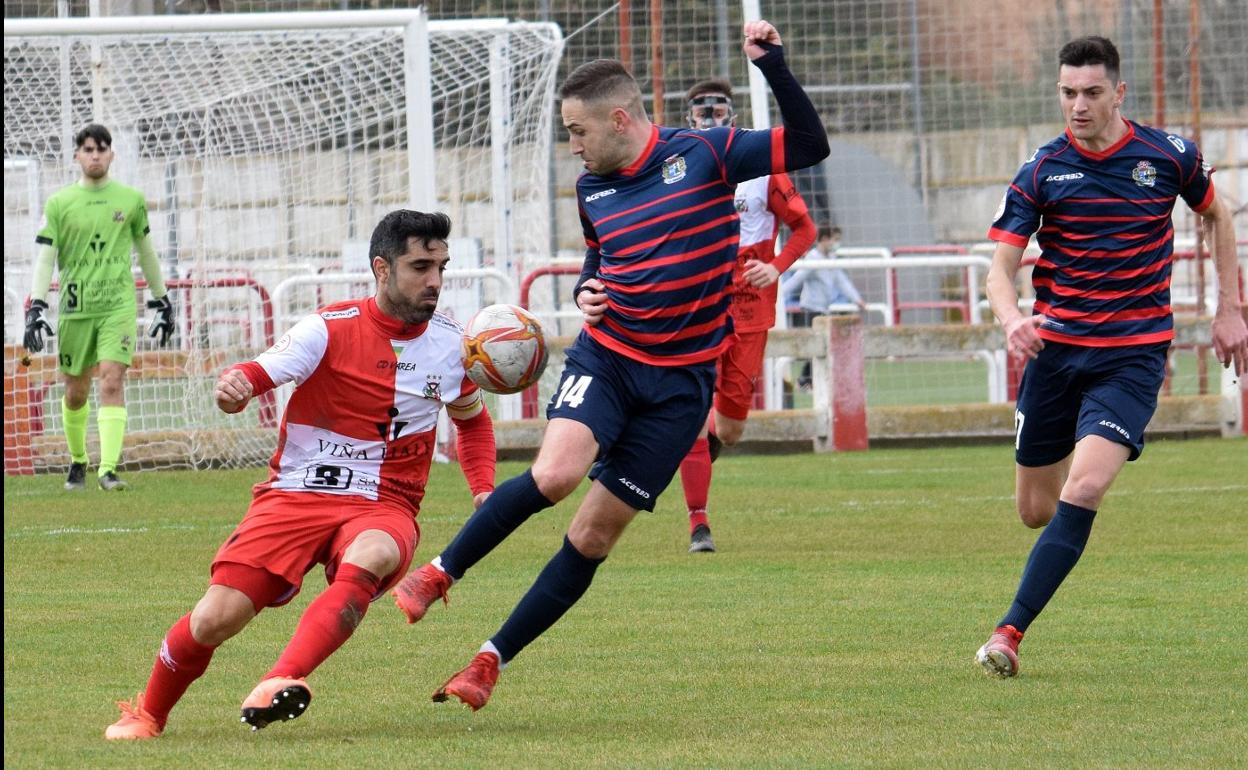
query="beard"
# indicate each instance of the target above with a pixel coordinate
(410, 311)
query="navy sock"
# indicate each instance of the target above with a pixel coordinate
(507, 507)
(1052, 558)
(561, 583)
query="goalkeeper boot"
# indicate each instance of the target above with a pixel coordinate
(474, 684)
(700, 541)
(111, 482)
(999, 655)
(279, 699)
(76, 481)
(421, 588)
(135, 723)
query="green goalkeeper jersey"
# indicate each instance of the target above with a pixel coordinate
(93, 231)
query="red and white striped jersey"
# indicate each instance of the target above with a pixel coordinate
(762, 203)
(362, 419)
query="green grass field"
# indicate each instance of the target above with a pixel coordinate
(835, 627)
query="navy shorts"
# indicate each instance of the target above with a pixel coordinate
(1072, 391)
(644, 417)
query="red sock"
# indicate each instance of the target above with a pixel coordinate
(327, 622)
(181, 661)
(695, 477)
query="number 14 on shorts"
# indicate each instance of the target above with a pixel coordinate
(572, 391)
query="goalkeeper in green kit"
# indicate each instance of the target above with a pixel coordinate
(89, 230)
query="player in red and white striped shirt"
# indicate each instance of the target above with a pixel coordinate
(347, 478)
(762, 204)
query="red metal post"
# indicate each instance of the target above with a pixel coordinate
(626, 34)
(847, 386)
(656, 57)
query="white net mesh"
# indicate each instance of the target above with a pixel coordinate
(263, 155)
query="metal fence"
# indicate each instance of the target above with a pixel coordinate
(930, 104)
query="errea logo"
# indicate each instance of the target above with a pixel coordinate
(597, 195)
(1063, 177)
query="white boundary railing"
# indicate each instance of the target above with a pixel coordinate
(882, 259)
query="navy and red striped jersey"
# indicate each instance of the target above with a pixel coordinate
(1103, 223)
(663, 233)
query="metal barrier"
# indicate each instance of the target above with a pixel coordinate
(529, 398)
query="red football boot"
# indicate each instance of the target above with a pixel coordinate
(474, 684)
(421, 588)
(999, 655)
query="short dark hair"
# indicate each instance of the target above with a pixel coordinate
(827, 231)
(712, 86)
(604, 80)
(1091, 50)
(93, 131)
(390, 237)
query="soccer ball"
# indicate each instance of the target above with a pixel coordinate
(504, 350)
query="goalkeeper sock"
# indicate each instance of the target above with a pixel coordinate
(111, 422)
(695, 477)
(561, 583)
(1052, 558)
(75, 421)
(181, 661)
(507, 507)
(328, 622)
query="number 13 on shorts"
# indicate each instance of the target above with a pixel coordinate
(572, 390)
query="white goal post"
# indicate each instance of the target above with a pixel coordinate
(268, 146)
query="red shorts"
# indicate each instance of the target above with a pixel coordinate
(738, 370)
(289, 533)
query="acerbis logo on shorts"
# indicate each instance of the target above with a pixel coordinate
(1116, 427)
(635, 488)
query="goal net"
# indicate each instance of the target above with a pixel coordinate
(268, 146)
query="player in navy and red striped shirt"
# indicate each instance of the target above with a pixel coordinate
(1099, 200)
(661, 232)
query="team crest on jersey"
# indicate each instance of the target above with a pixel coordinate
(742, 205)
(674, 169)
(119, 216)
(1144, 174)
(433, 389)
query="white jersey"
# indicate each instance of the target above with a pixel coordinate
(364, 413)
(758, 224)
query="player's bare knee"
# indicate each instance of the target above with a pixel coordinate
(214, 621)
(112, 391)
(591, 541)
(378, 554)
(730, 434)
(554, 483)
(1085, 491)
(76, 393)
(1035, 515)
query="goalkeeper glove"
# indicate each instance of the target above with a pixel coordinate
(36, 327)
(162, 323)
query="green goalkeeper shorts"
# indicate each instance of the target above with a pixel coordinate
(84, 342)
